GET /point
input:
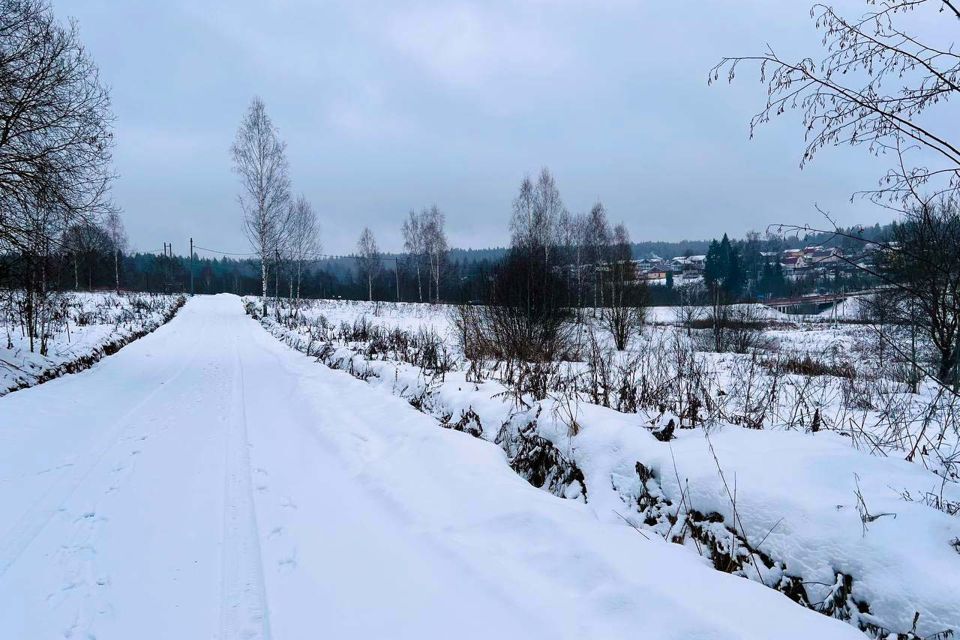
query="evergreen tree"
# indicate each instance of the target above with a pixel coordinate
(713, 267)
(723, 270)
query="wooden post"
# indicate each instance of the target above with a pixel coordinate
(191, 266)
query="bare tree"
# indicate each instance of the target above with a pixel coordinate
(870, 88)
(303, 240)
(549, 210)
(39, 225)
(536, 213)
(523, 225)
(598, 241)
(413, 245)
(624, 314)
(115, 230)
(573, 237)
(55, 127)
(689, 310)
(259, 158)
(86, 242)
(434, 244)
(369, 259)
(925, 266)
(534, 224)
(55, 146)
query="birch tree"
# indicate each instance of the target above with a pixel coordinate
(537, 210)
(304, 239)
(368, 254)
(118, 241)
(259, 158)
(573, 237)
(434, 244)
(598, 241)
(413, 245)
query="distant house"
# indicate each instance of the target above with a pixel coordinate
(792, 263)
(687, 267)
(653, 275)
(822, 256)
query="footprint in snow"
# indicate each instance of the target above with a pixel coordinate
(289, 563)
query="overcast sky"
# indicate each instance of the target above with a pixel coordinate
(387, 106)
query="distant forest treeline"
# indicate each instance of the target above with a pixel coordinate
(464, 278)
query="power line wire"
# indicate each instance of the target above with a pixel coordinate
(320, 256)
(225, 253)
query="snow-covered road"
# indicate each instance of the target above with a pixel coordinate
(208, 482)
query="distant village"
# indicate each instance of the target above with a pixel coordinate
(795, 264)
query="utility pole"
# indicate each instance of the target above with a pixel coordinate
(191, 266)
(396, 270)
(167, 253)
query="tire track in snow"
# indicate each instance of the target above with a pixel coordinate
(54, 499)
(244, 614)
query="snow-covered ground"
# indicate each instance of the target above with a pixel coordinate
(88, 326)
(209, 482)
(819, 504)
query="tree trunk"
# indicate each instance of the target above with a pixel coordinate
(299, 275)
(30, 303)
(419, 284)
(43, 296)
(263, 283)
(276, 282)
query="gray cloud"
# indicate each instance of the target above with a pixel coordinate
(388, 106)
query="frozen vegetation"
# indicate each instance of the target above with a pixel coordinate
(806, 463)
(78, 330)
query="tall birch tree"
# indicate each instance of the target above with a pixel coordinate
(260, 159)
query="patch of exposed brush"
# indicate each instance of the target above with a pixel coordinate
(807, 366)
(540, 462)
(469, 422)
